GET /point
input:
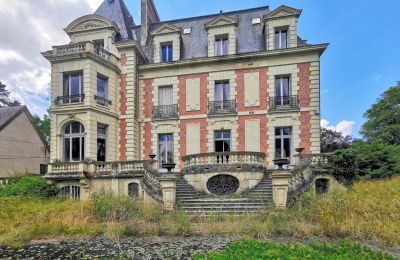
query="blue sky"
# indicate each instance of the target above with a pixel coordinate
(362, 61)
(363, 58)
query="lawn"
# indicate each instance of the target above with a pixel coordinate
(369, 211)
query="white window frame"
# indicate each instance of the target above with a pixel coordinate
(169, 45)
(80, 74)
(219, 39)
(279, 31)
(104, 137)
(70, 136)
(282, 136)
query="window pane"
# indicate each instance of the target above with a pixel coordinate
(218, 94)
(170, 153)
(75, 149)
(101, 87)
(226, 134)
(75, 86)
(276, 40)
(66, 86)
(283, 39)
(278, 92)
(286, 131)
(101, 129)
(286, 147)
(217, 47)
(76, 128)
(83, 148)
(67, 149)
(101, 150)
(285, 86)
(219, 146)
(227, 146)
(277, 131)
(169, 48)
(218, 134)
(226, 92)
(165, 96)
(224, 46)
(68, 129)
(164, 53)
(278, 148)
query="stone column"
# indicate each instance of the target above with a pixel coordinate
(280, 187)
(168, 185)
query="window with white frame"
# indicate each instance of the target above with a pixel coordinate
(222, 91)
(222, 141)
(283, 139)
(165, 95)
(74, 142)
(166, 52)
(281, 39)
(165, 149)
(102, 89)
(73, 88)
(221, 45)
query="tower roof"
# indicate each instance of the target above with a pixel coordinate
(116, 11)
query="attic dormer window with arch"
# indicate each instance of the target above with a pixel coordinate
(221, 36)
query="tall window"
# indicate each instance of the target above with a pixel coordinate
(102, 90)
(165, 149)
(221, 45)
(222, 141)
(73, 88)
(282, 90)
(283, 142)
(74, 142)
(101, 142)
(165, 97)
(222, 91)
(281, 39)
(166, 52)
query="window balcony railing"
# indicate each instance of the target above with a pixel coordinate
(165, 111)
(283, 102)
(222, 107)
(102, 101)
(69, 99)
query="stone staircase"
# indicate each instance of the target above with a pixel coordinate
(192, 202)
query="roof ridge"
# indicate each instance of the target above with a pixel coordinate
(210, 15)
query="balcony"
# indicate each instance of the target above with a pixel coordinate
(164, 112)
(224, 107)
(102, 101)
(82, 49)
(283, 103)
(69, 99)
(226, 161)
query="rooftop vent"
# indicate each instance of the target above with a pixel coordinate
(187, 30)
(256, 20)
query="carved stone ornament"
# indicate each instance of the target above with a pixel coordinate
(71, 116)
(223, 184)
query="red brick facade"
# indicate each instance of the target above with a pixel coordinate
(203, 94)
(148, 98)
(122, 140)
(123, 59)
(263, 89)
(304, 100)
(305, 131)
(147, 142)
(203, 135)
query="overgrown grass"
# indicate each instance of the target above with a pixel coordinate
(252, 249)
(367, 211)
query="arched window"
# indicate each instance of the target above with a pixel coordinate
(133, 190)
(70, 192)
(74, 142)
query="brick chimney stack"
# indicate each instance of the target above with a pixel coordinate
(149, 15)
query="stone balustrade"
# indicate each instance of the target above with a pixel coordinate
(229, 161)
(84, 47)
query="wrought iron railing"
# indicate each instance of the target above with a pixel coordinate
(102, 101)
(165, 111)
(222, 107)
(69, 99)
(284, 102)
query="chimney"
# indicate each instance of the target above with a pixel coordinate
(149, 15)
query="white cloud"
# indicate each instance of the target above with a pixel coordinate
(345, 126)
(26, 29)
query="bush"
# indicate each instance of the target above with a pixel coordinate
(343, 165)
(29, 186)
(253, 249)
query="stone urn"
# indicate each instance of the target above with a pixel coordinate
(169, 166)
(281, 161)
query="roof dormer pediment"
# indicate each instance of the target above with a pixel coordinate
(283, 11)
(222, 20)
(166, 29)
(90, 22)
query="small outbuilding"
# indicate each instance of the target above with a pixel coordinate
(23, 148)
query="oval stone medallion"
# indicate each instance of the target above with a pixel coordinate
(222, 184)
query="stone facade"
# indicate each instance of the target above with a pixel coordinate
(135, 72)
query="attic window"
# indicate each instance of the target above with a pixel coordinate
(256, 21)
(187, 30)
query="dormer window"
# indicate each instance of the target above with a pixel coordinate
(281, 39)
(221, 45)
(166, 52)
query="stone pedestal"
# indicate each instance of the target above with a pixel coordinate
(280, 187)
(168, 185)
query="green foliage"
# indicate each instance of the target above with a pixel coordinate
(377, 160)
(332, 141)
(253, 249)
(5, 100)
(43, 124)
(29, 186)
(343, 165)
(383, 118)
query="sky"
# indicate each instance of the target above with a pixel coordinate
(361, 62)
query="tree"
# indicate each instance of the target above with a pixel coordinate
(43, 123)
(383, 118)
(5, 100)
(343, 165)
(332, 141)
